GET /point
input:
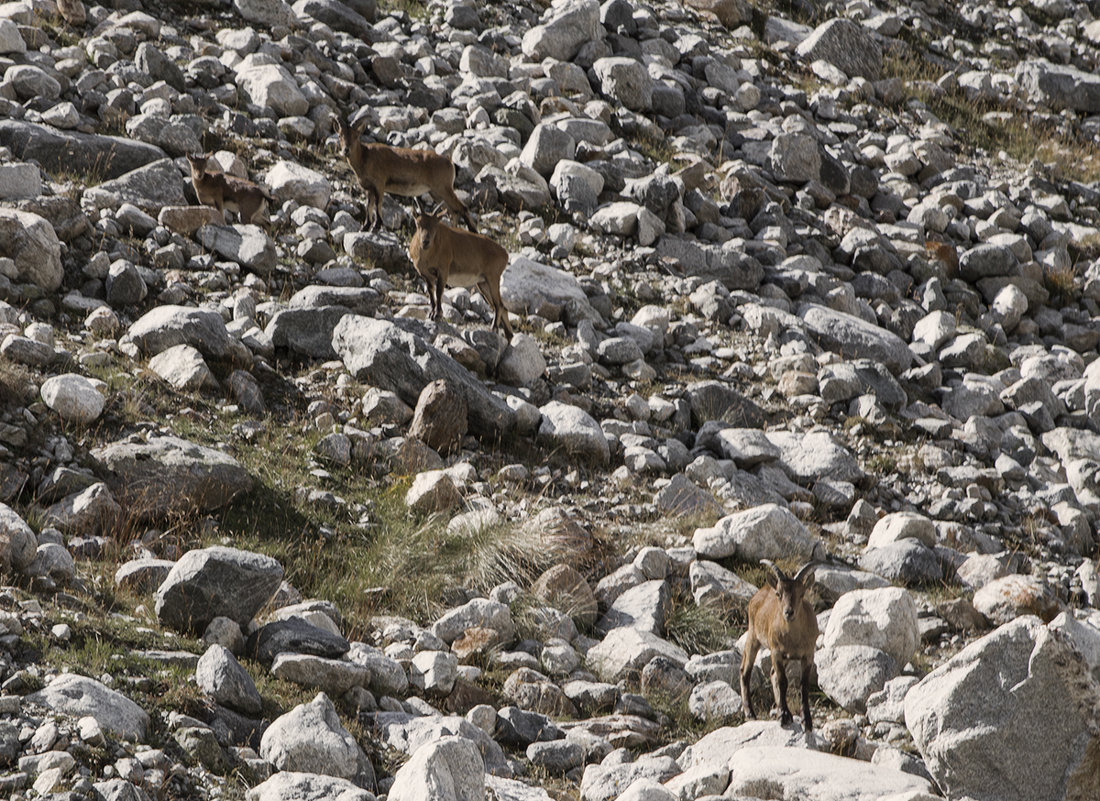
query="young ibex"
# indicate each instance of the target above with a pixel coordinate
(400, 171)
(446, 256)
(227, 191)
(783, 620)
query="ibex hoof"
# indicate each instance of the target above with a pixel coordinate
(786, 719)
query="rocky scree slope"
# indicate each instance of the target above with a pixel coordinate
(791, 282)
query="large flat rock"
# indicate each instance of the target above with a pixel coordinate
(846, 45)
(149, 187)
(1060, 86)
(77, 696)
(31, 242)
(69, 151)
(166, 327)
(776, 772)
(166, 475)
(1011, 717)
(216, 582)
(853, 337)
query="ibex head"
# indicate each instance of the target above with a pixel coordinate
(349, 134)
(427, 222)
(791, 591)
(198, 162)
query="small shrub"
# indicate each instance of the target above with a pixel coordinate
(1061, 283)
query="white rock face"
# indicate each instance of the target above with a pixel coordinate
(221, 676)
(569, 25)
(265, 12)
(764, 532)
(626, 81)
(530, 287)
(715, 749)
(432, 491)
(885, 619)
(934, 329)
(183, 367)
(901, 526)
(10, 39)
(434, 672)
(480, 612)
(18, 181)
(272, 86)
(248, 245)
(89, 511)
(647, 790)
(73, 397)
(311, 739)
(797, 773)
(77, 696)
(332, 676)
(449, 769)
(628, 649)
(1013, 716)
(619, 218)
(850, 674)
(523, 362)
(295, 786)
(288, 180)
(31, 242)
(1004, 599)
(574, 431)
(547, 147)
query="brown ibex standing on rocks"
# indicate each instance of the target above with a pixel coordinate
(228, 191)
(409, 172)
(446, 256)
(783, 620)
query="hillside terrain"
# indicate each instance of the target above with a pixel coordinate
(803, 283)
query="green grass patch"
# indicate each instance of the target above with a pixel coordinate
(353, 542)
(414, 9)
(1061, 283)
(107, 640)
(16, 384)
(58, 29)
(984, 126)
(654, 148)
(700, 629)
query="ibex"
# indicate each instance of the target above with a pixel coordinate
(446, 256)
(227, 191)
(400, 171)
(783, 620)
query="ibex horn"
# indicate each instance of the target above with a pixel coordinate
(775, 569)
(802, 571)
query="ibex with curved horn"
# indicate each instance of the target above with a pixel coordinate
(409, 172)
(782, 619)
(444, 256)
